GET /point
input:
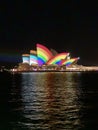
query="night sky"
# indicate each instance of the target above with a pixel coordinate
(64, 26)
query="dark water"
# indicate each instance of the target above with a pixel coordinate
(49, 101)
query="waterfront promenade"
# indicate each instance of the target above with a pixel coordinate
(77, 68)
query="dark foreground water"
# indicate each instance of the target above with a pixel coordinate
(49, 101)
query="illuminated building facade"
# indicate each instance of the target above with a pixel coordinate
(43, 56)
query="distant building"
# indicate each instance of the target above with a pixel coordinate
(43, 56)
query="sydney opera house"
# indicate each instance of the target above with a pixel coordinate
(45, 59)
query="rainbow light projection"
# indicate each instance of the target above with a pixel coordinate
(33, 52)
(26, 58)
(57, 59)
(43, 54)
(33, 57)
(69, 61)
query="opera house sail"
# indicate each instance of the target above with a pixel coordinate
(33, 57)
(43, 54)
(69, 61)
(26, 58)
(57, 59)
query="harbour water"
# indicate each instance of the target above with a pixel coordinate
(49, 101)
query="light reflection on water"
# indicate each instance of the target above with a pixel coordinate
(46, 101)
